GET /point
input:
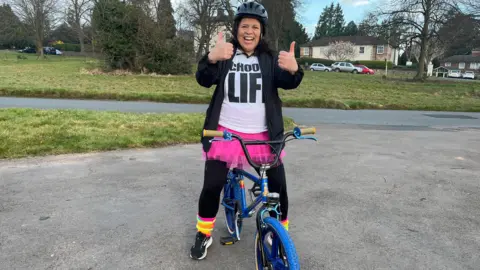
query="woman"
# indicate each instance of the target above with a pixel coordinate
(246, 102)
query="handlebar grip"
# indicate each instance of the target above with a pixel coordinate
(212, 133)
(305, 131)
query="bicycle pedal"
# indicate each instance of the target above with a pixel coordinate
(256, 191)
(228, 240)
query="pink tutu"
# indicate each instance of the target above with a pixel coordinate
(232, 153)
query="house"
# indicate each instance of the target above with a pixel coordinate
(463, 62)
(367, 48)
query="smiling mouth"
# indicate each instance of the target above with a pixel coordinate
(248, 39)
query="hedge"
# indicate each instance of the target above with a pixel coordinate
(309, 61)
(374, 64)
(371, 64)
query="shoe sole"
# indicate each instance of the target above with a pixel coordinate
(209, 243)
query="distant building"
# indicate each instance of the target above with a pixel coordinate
(367, 48)
(463, 62)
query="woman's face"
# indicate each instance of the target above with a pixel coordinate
(249, 31)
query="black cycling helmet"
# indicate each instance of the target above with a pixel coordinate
(252, 9)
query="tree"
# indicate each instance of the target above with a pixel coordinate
(338, 21)
(341, 51)
(12, 32)
(130, 39)
(351, 29)
(297, 33)
(65, 33)
(368, 26)
(165, 18)
(77, 18)
(201, 15)
(38, 16)
(325, 22)
(281, 14)
(331, 22)
(424, 17)
(461, 33)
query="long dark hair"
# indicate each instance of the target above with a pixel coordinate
(262, 47)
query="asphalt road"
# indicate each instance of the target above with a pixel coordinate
(359, 199)
(400, 119)
(379, 190)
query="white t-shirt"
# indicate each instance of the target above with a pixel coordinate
(243, 107)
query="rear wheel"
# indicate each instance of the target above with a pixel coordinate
(233, 220)
(281, 254)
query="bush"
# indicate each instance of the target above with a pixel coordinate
(132, 40)
(67, 47)
(309, 61)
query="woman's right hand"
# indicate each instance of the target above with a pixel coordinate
(222, 50)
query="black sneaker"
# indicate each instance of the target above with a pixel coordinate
(199, 249)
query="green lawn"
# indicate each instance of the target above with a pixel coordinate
(34, 132)
(68, 77)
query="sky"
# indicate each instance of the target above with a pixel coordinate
(309, 13)
(352, 10)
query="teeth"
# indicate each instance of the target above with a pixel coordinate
(248, 38)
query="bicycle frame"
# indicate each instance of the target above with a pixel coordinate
(239, 187)
(262, 180)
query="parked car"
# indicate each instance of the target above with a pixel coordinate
(28, 50)
(365, 69)
(320, 67)
(345, 67)
(454, 73)
(468, 75)
(46, 50)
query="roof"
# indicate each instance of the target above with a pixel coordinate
(462, 58)
(357, 40)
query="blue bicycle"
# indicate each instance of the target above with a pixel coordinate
(274, 249)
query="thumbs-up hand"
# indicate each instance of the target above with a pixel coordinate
(222, 50)
(287, 61)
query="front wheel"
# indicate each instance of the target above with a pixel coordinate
(281, 254)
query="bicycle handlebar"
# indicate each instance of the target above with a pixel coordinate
(296, 132)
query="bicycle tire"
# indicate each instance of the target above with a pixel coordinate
(274, 226)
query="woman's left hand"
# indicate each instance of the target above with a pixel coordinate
(287, 61)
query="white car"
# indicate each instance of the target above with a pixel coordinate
(454, 74)
(320, 67)
(468, 75)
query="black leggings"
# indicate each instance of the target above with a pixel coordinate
(215, 176)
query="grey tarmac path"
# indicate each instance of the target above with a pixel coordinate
(360, 198)
(400, 119)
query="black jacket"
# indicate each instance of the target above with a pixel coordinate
(273, 77)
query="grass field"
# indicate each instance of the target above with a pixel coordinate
(68, 77)
(34, 132)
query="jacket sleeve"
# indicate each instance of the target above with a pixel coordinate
(207, 73)
(284, 79)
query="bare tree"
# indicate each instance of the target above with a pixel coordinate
(424, 17)
(77, 17)
(340, 51)
(203, 18)
(472, 7)
(39, 16)
(435, 48)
